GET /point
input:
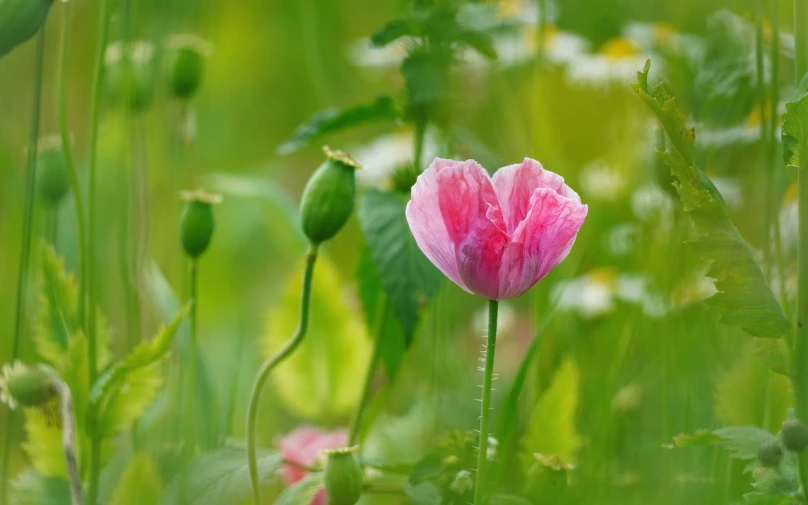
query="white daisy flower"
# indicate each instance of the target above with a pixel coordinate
(384, 154)
(617, 61)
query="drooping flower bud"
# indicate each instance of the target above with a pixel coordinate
(328, 199)
(343, 477)
(197, 222)
(547, 478)
(770, 453)
(20, 20)
(795, 435)
(185, 60)
(27, 386)
(52, 179)
(130, 74)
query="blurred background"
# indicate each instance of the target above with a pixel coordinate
(629, 356)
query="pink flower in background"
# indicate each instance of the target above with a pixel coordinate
(494, 236)
(302, 446)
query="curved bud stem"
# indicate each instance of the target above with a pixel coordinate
(69, 440)
(270, 364)
(488, 378)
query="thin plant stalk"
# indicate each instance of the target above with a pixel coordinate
(485, 412)
(25, 250)
(92, 345)
(378, 332)
(768, 175)
(800, 382)
(270, 364)
(189, 382)
(69, 441)
(70, 163)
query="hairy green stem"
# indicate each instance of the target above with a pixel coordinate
(800, 382)
(25, 250)
(485, 410)
(70, 160)
(69, 441)
(378, 333)
(92, 345)
(270, 364)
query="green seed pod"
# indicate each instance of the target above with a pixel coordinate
(547, 479)
(328, 199)
(20, 20)
(130, 75)
(197, 222)
(343, 478)
(770, 453)
(27, 386)
(185, 62)
(795, 435)
(52, 179)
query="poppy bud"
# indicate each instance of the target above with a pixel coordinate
(547, 478)
(343, 478)
(770, 453)
(795, 435)
(197, 222)
(27, 386)
(52, 179)
(328, 199)
(130, 74)
(20, 20)
(185, 61)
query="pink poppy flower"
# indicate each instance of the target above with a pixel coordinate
(302, 446)
(494, 236)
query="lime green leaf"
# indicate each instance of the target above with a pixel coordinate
(700, 438)
(138, 391)
(329, 121)
(551, 429)
(140, 483)
(303, 491)
(321, 377)
(742, 442)
(771, 353)
(30, 488)
(394, 30)
(425, 493)
(391, 335)
(408, 278)
(221, 477)
(43, 446)
(795, 126)
(744, 298)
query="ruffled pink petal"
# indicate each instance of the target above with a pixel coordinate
(320, 498)
(303, 445)
(474, 222)
(541, 241)
(515, 185)
(426, 221)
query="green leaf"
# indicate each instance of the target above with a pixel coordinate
(700, 438)
(771, 483)
(139, 484)
(303, 491)
(394, 30)
(795, 126)
(43, 444)
(425, 493)
(551, 429)
(391, 335)
(771, 353)
(330, 121)
(767, 499)
(744, 298)
(742, 442)
(30, 488)
(408, 278)
(320, 379)
(221, 477)
(129, 386)
(479, 41)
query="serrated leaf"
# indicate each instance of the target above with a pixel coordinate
(408, 277)
(329, 121)
(394, 30)
(743, 442)
(551, 429)
(44, 441)
(139, 390)
(320, 378)
(30, 488)
(221, 477)
(744, 298)
(371, 293)
(795, 126)
(303, 491)
(139, 484)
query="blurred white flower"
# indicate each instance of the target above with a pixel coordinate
(621, 239)
(595, 293)
(693, 289)
(652, 37)
(363, 54)
(386, 153)
(506, 319)
(601, 182)
(616, 62)
(652, 203)
(138, 51)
